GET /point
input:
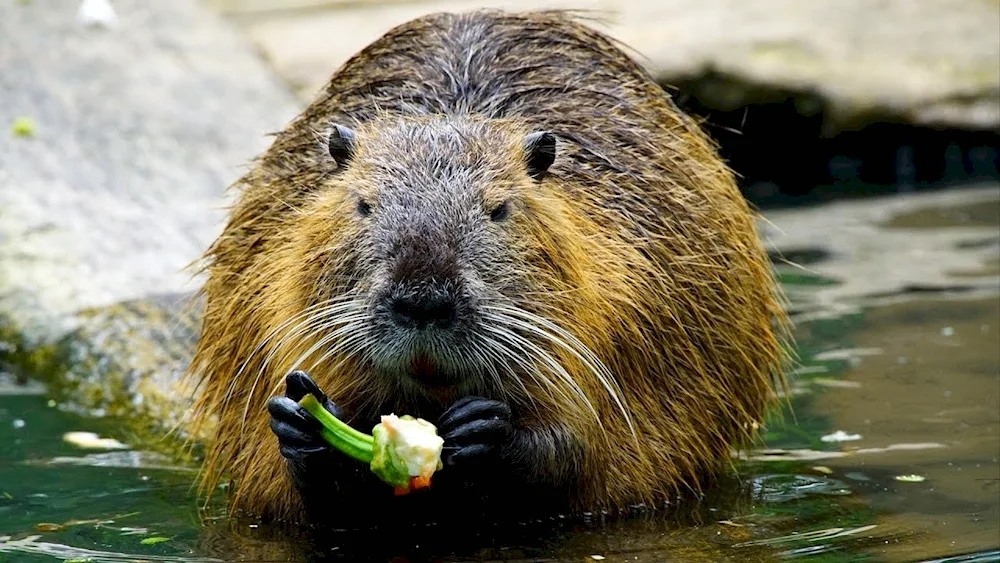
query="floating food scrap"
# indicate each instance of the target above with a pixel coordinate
(840, 436)
(91, 441)
(910, 478)
(154, 540)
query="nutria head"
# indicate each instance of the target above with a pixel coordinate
(429, 243)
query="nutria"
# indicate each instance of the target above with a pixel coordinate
(500, 223)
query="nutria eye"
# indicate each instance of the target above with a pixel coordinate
(364, 209)
(500, 212)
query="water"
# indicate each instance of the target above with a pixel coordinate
(900, 362)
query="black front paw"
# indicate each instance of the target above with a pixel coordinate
(474, 430)
(298, 431)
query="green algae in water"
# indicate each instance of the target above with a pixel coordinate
(154, 540)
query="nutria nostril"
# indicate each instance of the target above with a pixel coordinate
(423, 311)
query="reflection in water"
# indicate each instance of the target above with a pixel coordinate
(898, 329)
(937, 381)
(34, 545)
(781, 488)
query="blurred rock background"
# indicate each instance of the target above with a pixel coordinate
(806, 97)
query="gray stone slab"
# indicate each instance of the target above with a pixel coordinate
(139, 129)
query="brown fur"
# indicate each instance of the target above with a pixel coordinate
(639, 244)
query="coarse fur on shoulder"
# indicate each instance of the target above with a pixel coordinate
(637, 248)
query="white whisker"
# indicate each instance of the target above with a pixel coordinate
(555, 334)
(498, 352)
(344, 313)
(530, 349)
(323, 306)
(351, 334)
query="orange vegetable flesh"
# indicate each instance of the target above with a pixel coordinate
(416, 483)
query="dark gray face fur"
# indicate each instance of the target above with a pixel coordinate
(439, 202)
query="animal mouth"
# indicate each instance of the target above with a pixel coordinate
(436, 383)
(427, 372)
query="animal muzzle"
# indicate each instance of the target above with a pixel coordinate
(425, 288)
(424, 307)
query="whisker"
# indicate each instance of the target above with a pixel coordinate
(487, 358)
(496, 351)
(528, 348)
(302, 328)
(347, 326)
(323, 306)
(347, 340)
(317, 318)
(563, 338)
(343, 330)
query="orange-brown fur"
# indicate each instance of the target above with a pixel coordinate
(639, 244)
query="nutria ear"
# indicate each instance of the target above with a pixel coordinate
(341, 144)
(541, 149)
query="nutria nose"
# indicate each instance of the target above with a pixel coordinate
(419, 311)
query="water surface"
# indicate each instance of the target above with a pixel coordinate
(888, 450)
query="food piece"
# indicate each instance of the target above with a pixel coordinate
(407, 452)
(338, 433)
(402, 450)
(89, 440)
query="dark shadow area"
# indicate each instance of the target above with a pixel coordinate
(781, 145)
(411, 537)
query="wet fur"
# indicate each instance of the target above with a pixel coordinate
(638, 242)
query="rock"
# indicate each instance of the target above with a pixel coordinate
(139, 129)
(926, 63)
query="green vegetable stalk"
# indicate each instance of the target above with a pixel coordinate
(341, 436)
(402, 451)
